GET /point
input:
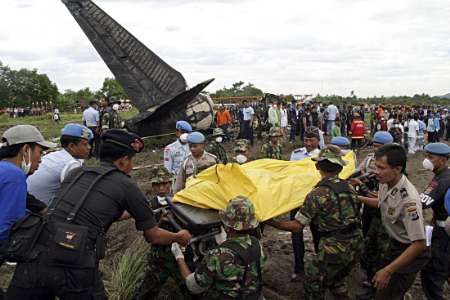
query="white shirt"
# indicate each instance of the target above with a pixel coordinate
(91, 117)
(284, 117)
(389, 124)
(413, 127)
(248, 113)
(46, 180)
(332, 111)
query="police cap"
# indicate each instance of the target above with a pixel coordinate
(196, 138)
(340, 141)
(184, 126)
(123, 140)
(438, 149)
(77, 130)
(382, 137)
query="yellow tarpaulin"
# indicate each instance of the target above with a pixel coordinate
(274, 186)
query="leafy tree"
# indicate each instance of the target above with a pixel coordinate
(111, 90)
(238, 89)
(22, 87)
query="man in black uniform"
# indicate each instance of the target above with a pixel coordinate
(435, 272)
(72, 242)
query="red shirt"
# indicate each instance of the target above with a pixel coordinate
(357, 129)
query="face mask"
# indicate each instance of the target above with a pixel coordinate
(221, 237)
(241, 159)
(427, 164)
(162, 200)
(219, 139)
(26, 167)
(183, 138)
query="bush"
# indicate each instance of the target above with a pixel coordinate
(127, 271)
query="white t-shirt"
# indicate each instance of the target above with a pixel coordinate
(284, 118)
(413, 127)
(248, 113)
(332, 111)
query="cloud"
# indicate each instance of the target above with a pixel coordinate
(327, 47)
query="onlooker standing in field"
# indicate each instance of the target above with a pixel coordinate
(333, 113)
(357, 131)
(248, 114)
(91, 119)
(413, 132)
(223, 120)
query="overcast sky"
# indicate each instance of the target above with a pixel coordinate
(381, 47)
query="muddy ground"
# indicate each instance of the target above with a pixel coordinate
(277, 245)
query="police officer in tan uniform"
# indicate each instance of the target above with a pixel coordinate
(196, 162)
(401, 213)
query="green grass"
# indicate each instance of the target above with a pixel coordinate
(127, 271)
(46, 125)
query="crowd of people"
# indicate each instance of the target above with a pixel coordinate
(55, 211)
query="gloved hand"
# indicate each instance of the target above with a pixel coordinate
(176, 251)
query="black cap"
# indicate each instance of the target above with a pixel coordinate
(123, 139)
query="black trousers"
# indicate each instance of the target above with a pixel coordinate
(95, 142)
(298, 244)
(38, 281)
(435, 273)
(247, 131)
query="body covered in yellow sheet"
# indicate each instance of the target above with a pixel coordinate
(274, 186)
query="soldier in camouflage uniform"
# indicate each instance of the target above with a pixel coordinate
(233, 269)
(332, 205)
(241, 151)
(215, 146)
(160, 263)
(111, 119)
(272, 148)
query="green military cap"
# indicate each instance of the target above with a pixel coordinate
(331, 153)
(275, 131)
(217, 132)
(160, 174)
(241, 145)
(239, 214)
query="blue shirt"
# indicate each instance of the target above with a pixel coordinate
(447, 201)
(13, 193)
(91, 117)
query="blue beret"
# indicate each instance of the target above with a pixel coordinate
(382, 137)
(196, 138)
(184, 126)
(438, 149)
(340, 141)
(77, 130)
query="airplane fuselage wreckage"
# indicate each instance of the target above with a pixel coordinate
(159, 92)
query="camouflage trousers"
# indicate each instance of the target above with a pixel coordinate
(161, 266)
(330, 268)
(376, 244)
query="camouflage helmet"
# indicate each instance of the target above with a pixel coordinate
(275, 131)
(331, 153)
(241, 145)
(217, 132)
(160, 174)
(239, 214)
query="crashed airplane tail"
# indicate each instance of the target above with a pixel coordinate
(155, 88)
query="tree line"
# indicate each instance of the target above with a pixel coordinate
(23, 87)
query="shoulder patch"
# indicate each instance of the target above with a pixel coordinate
(414, 216)
(404, 193)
